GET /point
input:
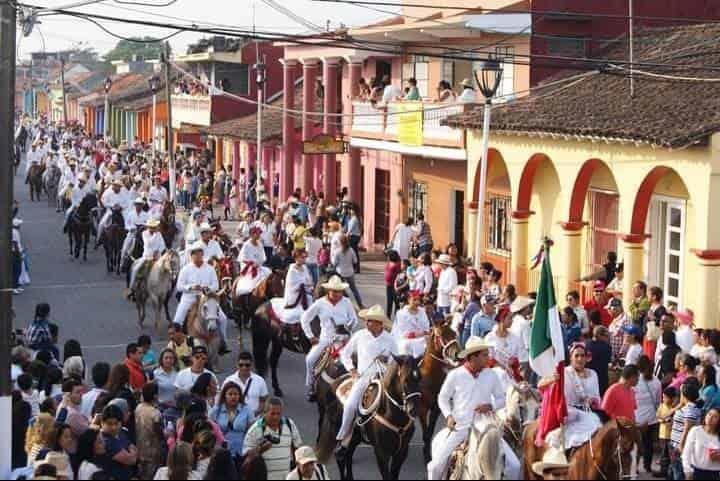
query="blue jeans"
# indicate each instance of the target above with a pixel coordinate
(676, 468)
(444, 310)
(314, 272)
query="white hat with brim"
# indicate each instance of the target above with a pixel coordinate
(60, 462)
(445, 260)
(205, 227)
(552, 459)
(375, 313)
(152, 223)
(17, 222)
(474, 345)
(467, 83)
(335, 284)
(198, 246)
(82, 178)
(520, 304)
(304, 455)
(139, 201)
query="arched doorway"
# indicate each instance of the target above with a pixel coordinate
(660, 214)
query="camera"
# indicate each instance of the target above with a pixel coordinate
(272, 439)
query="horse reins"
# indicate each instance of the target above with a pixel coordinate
(618, 452)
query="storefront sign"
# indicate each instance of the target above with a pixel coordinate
(410, 123)
(324, 144)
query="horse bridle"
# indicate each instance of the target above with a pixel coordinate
(443, 347)
(618, 452)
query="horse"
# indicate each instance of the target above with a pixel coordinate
(386, 422)
(440, 357)
(168, 226)
(484, 456)
(202, 325)
(522, 405)
(114, 237)
(610, 454)
(51, 183)
(80, 226)
(35, 181)
(160, 283)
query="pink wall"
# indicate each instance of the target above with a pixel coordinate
(392, 162)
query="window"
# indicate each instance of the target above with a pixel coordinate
(566, 46)
(665, 248)
(234, 78)
(449, 72)
(498, 223)
(506, 56)
(417, 67)
(418, 204)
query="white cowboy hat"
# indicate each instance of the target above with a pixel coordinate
(139, 201)
(552, 459)
(17, 222)
(198, 246)
(304, 455)
(335, 284)
(152, 223)
(444, 259)
(205, 227)
(520, 303)
(474, 345)
(467, 83)
(60, 462)
(375, 313)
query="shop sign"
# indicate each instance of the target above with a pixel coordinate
(324, 144)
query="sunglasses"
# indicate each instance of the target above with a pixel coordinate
(244, 364)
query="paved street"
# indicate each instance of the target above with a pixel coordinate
(89, 306)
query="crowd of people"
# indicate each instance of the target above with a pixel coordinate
(382, 90)
(167, 416)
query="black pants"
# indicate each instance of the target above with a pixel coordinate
(648, 437)
(355, 244)
(702, 474)
(392, 301)
(665, 457)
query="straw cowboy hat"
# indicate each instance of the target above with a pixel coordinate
(304, 455)
(445, 260)
(205, 227)
(152, 223)
(520, 304)
(473, 346)
(61, 463)
(139, 201)
(467, 83)
(335, 284)
(375, 313)
(552, 459)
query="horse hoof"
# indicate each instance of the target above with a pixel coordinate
(279, 392)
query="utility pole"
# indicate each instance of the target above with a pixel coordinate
(8, 20)
(168, 99)
(62, 80)
(631, 35)
(260, 89)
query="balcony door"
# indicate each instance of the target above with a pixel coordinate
(382, 206)
(665, 248)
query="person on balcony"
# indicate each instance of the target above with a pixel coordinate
(445, 92)
(468, 95)
(413, 94)
(390, 92)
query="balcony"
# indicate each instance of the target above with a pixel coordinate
(191, 109)
(394, 121)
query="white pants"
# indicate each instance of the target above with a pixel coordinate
(412, 347)
(312, 358)
(186, 303)
(128, 244)
(447, 441)
(351, 406)
(104, 222)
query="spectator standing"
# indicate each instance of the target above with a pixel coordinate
(29, 394)
(665, 418)
(222, 466)
(665, 363)
(423, 235)
(149, 358)
(307, 466)
(186, 378)
(149, 432)
(653, 329)
(600, 354)
(312, 246)
(180, 462)
(181, 345)
(640, 305)
(233, 417)
(632, 347)
(413, 93)
(619, 400)
(685, 335)
(617, 326)
(392, 269)
(120, 456)
(483, 321)
(133, 362)
(447, 283)
(38, 335)
(401, 239)
(709, 393)
(354, 232)
(69, 410)
(701, 453)
(573, 301)
(344, 261)
(598, 303)
(648, 395)
(253, 387)
(90, 447)
(100, 377)
(684, 419)
(21, 416)
(165, 376)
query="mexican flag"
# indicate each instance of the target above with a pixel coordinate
(546, 340)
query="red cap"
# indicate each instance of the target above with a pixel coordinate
(415, 294)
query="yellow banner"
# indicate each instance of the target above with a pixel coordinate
(410, 123)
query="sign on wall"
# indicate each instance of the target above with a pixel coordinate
(324, 144)
(410, 123)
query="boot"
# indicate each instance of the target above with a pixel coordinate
(311, 395)
(224, 349)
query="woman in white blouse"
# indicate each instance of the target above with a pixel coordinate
(424, 279)
(701, 453)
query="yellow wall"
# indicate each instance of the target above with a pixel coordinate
(697, 168)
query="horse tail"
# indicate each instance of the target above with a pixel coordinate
(490, 452)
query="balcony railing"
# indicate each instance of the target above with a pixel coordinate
(384, 122)
(191, 109)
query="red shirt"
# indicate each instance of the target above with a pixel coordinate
(592, 305)
(619, 402)
(137, 377)
(392, 269)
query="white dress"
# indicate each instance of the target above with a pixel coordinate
(252, 258)
(582, 423)
(401, 242)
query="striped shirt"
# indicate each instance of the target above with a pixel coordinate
(689, 414)
(279, 456)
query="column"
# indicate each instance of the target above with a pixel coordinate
(353, 164)
(236, 164)
(634, 261)
(287, 169)
(471, 229)
(330, 78)
(310, 73)
(218, 153)
(519, 257)
(708, 283)
(268, 155)
(572, 253)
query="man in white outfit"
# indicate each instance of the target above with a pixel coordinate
(193, 279)
(136, 218)
(412, 327)
(337, 316)
(153, 247)
(468, 397)
(447, 283)
(76, 197)
(370, 344)
(212, 250)
(115, 197)
(298, 289)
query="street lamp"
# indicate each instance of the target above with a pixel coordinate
(488, 78)
(154, 82)
(106, 128)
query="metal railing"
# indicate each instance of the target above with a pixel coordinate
(192, 109)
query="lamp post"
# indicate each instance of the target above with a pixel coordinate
(488, 78)
(108, 86)
(155, 87)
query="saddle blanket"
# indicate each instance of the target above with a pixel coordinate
(247, 284)
(286, 316)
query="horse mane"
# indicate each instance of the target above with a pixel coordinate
(604, 463)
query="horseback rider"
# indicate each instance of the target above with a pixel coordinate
(211, 248)
(412, 327)
(135, 219)
(252, 260)
(468, 398)
(117, 197)
(373, 347)
(76, 197)
(298, 288)
(157, 195)
(192, 233)
(337, 316)
(506, 347)
(153, 247)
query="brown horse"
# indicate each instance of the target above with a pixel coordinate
(168, 226)
(35, 181)
(440, 357)
(609, 455)
(114, 237)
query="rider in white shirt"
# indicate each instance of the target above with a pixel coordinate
(115, 197)
(76, 197)
(212, 248)
(298, 289)
(157, 195)
(192, 233)
(136, 218)
(153, 247)
(193, 278)
(370, 345)
(337, 316)
(412, 327)
(251, 257)
(468, 398)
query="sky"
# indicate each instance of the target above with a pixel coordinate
(62, 32)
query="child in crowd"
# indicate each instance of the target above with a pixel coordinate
(665, 413)
(150, 358)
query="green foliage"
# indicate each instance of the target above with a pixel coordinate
(125, 49)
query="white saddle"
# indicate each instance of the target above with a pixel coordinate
(286, 316)
(247, 284)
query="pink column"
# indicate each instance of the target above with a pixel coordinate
(354, 170)
(267, 157)
(236, 161)
(330, 75)
(289, 147)
(310, 73)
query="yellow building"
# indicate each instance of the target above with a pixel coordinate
(599, 170)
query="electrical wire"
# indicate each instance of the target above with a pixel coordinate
(127, 39)
(144, 4)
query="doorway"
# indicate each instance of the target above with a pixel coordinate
(458, 228)
(382, 206)
(664, 250)
(382, 68)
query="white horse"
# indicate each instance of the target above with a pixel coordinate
(202, 325)
(161, 283)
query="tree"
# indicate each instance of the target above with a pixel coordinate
(125, 49)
